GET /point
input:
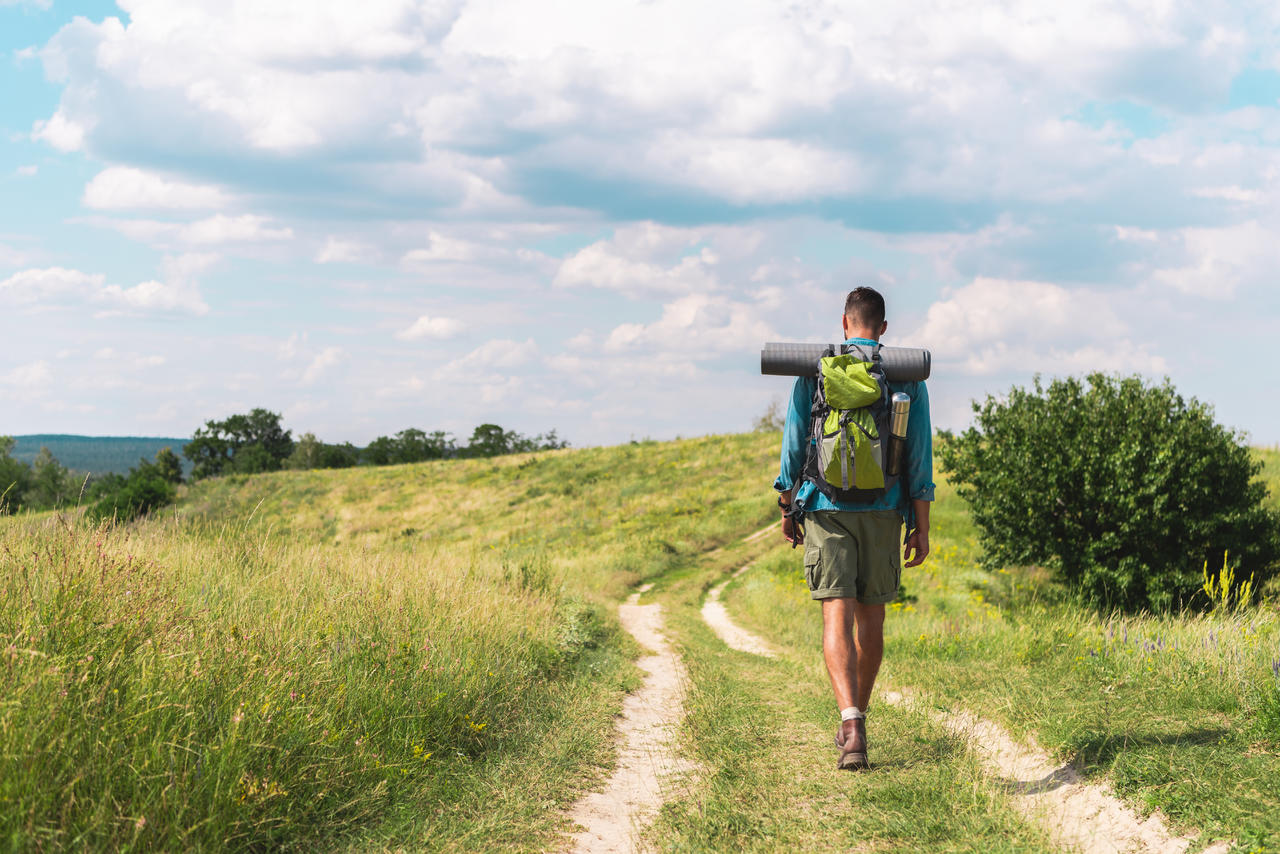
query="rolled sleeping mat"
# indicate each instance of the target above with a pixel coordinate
(901, 364)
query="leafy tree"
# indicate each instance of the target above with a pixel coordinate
(341, 456)
(310, 453)
(168, 466)
(490, 440)
(253, 459)
(250, 443)
(409, 446)
(15, 477)
(380, 452)
(51, 484)
(306, 453)
(414, 445)
(147, 486)
(1125, 490)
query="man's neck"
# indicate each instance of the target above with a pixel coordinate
(861, 333)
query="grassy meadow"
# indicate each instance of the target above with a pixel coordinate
(1179, 712)
(421, 655)
(427, 657)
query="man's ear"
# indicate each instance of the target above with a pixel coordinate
(844, 324)
(884, 324)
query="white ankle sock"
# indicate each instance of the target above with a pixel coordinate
(850, 713)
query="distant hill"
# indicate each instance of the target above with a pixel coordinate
(98, 454)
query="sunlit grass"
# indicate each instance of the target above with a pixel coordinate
(1182, 711)
(420, 655)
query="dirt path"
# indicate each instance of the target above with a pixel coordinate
(1080, 816)
(717, 617)
(612, 819)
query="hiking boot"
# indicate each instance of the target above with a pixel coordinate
(851, 738)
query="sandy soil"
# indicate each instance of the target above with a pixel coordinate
(648, 767)
(717, 617)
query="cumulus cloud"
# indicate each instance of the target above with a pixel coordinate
(61, 287)
(699, 323)
(126, 188)
(430, 327)
(60, 132)
(478, 104)
(1215, 262)
(1002, 327)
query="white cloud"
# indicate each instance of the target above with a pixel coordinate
(153, 296)
(499, 355)
(217, 230)
(26, 171)
(598, 266)
(126, 188)
(232, 229)
(62, 133)
(58, 286)
(430, 327)
(324, 360)
(441, 248)
(33, 375)
(997, 326)
(1218, 261)
(338, 251)
(702, 324)
(49, 285)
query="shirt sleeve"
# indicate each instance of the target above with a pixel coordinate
(795, 433)
(920, 446)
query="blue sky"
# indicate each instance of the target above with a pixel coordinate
(588, 216)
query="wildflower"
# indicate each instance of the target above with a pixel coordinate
(140, 823)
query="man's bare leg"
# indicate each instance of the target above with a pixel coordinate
(853, 660)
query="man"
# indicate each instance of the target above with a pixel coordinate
(851, 550)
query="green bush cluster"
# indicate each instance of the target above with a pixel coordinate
(1125, 489)
(147, 486)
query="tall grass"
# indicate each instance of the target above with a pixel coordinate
(420, 653)
(267, 694)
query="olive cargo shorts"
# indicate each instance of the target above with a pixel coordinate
(853, 555)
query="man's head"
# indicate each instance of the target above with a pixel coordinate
(864, 314)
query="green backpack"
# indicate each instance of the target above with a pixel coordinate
(849, 426)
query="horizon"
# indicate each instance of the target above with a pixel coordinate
(590, 218)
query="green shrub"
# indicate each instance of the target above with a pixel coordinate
(148, 486)
(1125, 489)
(136, 496)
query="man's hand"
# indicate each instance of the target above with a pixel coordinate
(918, 543)
(792, 532)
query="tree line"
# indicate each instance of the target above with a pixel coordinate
(248, 443)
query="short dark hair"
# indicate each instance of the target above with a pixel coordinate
(865, 307)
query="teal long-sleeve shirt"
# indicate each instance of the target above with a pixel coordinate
(917, 470)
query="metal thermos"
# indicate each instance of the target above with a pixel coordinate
(898, 432)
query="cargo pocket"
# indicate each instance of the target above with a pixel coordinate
(812, 559)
